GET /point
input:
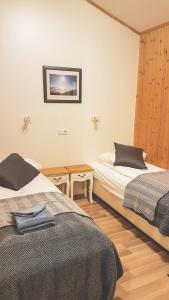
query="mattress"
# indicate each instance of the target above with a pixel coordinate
(115, 178)
(39, 184)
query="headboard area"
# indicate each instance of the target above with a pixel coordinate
(152, 103)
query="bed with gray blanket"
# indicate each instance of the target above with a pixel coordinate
(72, 260)
(148, 195)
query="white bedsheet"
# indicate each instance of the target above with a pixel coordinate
(115, 178)
(38, 185)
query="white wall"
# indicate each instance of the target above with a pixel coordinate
(69, 34)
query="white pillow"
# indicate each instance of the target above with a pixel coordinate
(33, 163)
(108, 158)
(144, 155)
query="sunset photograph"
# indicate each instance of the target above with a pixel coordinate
(63, 84)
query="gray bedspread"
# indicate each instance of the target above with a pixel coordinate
(162, 215)
(72, 260)
(148, 195)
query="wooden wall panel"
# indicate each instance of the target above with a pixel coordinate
(152, 103)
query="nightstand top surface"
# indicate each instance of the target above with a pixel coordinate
(54, 171)
(79, 168)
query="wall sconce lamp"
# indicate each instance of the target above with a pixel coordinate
(26, 123)
(95, 120)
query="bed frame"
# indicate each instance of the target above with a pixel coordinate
(138, 221)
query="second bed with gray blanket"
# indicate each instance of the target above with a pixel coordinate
(148, 195)
(72, 260)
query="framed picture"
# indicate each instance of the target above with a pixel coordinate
(62, 85)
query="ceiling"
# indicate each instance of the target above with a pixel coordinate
(139, 15)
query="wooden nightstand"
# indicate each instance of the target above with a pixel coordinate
(58, 175)
(81, 173)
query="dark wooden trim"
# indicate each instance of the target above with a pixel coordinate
(112, 16)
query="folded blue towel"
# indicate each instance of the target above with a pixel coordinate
(33, 220)
(32, 212)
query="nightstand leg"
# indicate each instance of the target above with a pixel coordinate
(90, 190)
(85, 189)
(67, 188)
(71, 189)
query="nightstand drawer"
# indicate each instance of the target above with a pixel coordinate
(81, 175)
(59, 179)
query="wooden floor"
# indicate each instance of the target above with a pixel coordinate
(145, 264)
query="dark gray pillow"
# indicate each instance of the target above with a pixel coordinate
(129, 156)
(15, 172)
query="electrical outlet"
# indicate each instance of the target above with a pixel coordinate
(62, 132)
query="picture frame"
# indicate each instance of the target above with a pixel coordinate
(62, 85)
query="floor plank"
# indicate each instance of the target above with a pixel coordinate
(145, 263)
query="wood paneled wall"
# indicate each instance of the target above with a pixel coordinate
(152, 103)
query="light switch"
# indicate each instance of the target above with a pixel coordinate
(62, 132)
